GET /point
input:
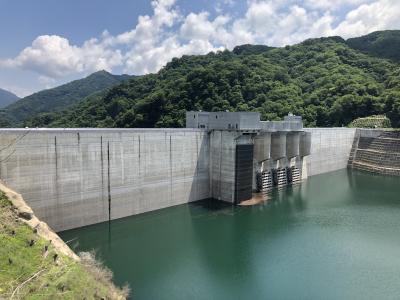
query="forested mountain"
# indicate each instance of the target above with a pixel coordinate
(384, 44)
(7, 98)
(324, 80)
(59, 98)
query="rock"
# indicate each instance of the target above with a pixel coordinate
(25, 215)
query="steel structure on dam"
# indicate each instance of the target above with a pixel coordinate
(248, 155)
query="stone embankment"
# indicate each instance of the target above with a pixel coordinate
(377, 152)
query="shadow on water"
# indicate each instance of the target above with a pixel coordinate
(209, 240)
(211, 205)
(373, 189)
(224, 236)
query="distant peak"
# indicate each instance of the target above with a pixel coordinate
(4, 91)
(101, 72)
(336, 39)
(251, 49)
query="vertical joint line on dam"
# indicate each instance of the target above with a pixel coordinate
(109, 181)
(56, 162)
(102, 170)
(139, 154)
(170, 167)
(57, 175)
(220, 164)
(55, 153)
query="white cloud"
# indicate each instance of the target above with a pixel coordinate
(50, 55)
(197, 26)
(16, 89)
(48, 82)
(221, 4)
(333, 4)
(53, 56)
(278, 24)
(378, 15)
(168, 33)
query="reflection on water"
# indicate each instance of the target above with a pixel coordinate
(333, 237)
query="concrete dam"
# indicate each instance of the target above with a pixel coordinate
(77, 177)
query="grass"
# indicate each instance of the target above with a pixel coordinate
(31, 268)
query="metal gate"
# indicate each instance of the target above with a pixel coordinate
(243, 173)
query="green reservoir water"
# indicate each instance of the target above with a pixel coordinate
(336, 236)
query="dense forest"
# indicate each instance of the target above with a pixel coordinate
(383, 44)
(328, 81)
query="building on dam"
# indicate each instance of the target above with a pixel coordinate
(249, 155)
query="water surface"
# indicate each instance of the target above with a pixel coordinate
(336, 236)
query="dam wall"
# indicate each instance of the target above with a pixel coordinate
(76, 177)
(330, 149)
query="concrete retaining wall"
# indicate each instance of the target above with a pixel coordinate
(67, 176)
(330, 149)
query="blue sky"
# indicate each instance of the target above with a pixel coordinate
(76, 20)
(45, 43)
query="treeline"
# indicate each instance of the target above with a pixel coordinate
(323, 80)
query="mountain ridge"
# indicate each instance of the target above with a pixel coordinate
(60, 97)
(322, 79)
(328, 80)
(383, 44)
(7, 97)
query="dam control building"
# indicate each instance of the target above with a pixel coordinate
(249, 155)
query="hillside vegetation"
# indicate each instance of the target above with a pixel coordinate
(324, 80)
(59, 98)
(384, 44)
(32, 268)
(7, 98)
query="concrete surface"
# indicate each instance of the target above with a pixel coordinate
(222, 120)
(222, 164)
(68, 176)
(330, 149)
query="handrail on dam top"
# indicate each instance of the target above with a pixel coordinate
(102, 129)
